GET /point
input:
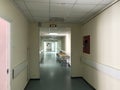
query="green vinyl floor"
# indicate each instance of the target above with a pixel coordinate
(55, 76)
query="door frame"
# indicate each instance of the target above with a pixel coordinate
(9, 62)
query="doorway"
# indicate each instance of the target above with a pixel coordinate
(55, 41)
(4, 54)
(50, 46)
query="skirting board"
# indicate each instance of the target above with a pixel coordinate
(29, 82)
(84, 81)
(103, 68)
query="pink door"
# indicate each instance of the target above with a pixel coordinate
(4, 54)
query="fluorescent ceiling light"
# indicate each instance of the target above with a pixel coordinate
(53, 33)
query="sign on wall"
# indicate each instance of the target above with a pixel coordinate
(86, 44)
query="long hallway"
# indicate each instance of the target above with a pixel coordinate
(87, 30)
(55, 76)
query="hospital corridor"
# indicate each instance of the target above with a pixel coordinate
(59, 44)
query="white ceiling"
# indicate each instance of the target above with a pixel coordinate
(70, 10)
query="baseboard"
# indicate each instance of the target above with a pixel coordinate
(29, 82)
(75, 77)
(71, 78)
(84, 81)
(88, 84)
(35, 79)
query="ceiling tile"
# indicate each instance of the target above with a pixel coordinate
(58, 14)
(94, 11)
(61, 6)
(37, 6)
(71, 10)
(84, 8)
(89, 1)
(73, 20)
(45, 1)
(59, 10)
(40, 13)
(21, 4)
(39, 19)
(62, 1)
(77, 15)
(99, 7)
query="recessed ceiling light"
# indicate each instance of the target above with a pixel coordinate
(53, 33)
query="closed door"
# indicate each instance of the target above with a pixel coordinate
(4, 55)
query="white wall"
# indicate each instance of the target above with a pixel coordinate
(19, 36)
(34, 51)
(105, 46)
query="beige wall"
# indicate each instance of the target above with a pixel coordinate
(19, 27)
(34, 51)
(75, 50)
(105, 46)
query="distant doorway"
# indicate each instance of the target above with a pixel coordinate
(54, 41)
(4, 55)
(50, 46)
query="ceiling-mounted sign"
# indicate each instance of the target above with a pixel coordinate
(53, 25)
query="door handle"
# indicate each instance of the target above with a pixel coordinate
(7, 71)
